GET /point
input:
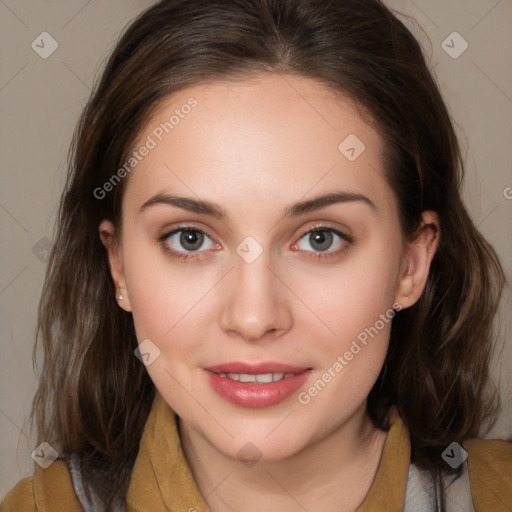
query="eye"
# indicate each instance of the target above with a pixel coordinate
(185, 242)
(321, 239)
(188, 238)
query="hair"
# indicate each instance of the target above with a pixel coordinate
(94, 396)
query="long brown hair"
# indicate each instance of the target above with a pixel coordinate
(94, 396)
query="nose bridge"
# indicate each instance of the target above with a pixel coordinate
(254, 301)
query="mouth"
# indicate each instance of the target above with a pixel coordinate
(256, 372)
(261, 378)
(256, 385)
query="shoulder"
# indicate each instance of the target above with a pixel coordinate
(20, 497)
(490, 466)
(47, 490)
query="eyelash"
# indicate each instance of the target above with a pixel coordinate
(199, 254)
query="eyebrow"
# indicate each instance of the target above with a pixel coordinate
(218, 212)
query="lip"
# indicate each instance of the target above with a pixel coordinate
(255, 368)
(252, 394)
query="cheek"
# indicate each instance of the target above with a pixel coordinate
(148, 286)
(351, 296)
(356, 305)
(167, 298)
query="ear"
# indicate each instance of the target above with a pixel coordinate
(115, 259)
(418, 254)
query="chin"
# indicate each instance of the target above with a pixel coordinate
(257, 448)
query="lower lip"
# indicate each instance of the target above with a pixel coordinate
(249, 394)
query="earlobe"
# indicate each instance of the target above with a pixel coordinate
(418, 255)
(107, 235)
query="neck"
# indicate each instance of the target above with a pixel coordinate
(333, 474)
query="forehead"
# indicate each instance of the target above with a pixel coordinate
(268, 135)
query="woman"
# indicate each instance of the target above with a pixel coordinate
(202, 352)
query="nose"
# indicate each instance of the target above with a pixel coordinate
(255, 301)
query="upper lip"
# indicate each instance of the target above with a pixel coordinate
(255, 368)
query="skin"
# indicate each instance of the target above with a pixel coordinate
(255, 147)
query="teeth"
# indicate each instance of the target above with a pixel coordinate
(264, 378)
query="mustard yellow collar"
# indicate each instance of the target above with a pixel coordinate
(162, 479)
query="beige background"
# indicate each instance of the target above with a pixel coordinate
(40, 101)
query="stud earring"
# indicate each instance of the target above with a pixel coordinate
(120, 297)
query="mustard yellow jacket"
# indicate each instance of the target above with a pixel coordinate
(162, 480)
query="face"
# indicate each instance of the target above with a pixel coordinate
(271, 283)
